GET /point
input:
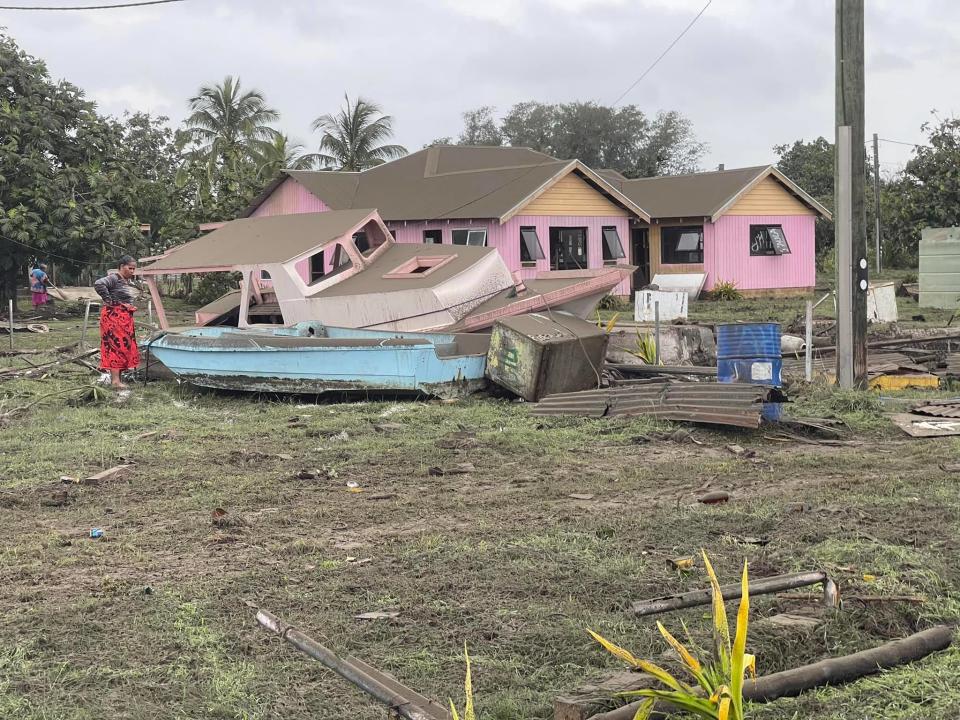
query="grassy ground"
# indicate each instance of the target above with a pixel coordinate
(155, 619)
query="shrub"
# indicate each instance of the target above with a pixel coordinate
(725, 290)
(212, 286)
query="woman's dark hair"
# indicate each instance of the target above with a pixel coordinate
(126, 260)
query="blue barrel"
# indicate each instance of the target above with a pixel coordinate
(750, 353)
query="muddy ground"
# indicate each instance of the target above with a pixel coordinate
(155, 619)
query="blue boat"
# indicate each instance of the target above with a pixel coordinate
(312, 358)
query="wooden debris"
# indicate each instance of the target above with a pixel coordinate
(714, 498)
(866, 599)
(107, 474)
(378, 615)
(580, 496)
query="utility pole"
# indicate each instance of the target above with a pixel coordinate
(849, 176)
(876, 196)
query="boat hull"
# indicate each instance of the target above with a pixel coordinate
(283, 361)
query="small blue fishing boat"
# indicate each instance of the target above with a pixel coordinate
(312, 358)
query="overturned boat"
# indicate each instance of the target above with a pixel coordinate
(310, 358)
(343, 269)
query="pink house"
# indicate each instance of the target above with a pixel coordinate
(750, 226)
(539, 212)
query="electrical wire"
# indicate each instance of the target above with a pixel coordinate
(47, 253)
(663, 54)
(143, 3)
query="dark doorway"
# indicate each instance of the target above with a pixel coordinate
(568, 248)
(640, 242)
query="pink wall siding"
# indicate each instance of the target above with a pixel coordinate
(726, 253)
(290, 198)
(506, 237)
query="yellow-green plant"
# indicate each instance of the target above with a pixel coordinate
(646, 348)
(720, 680)
(468, 711)
(610, 324)
(725, 290)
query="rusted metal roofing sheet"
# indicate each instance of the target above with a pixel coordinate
(711, 403)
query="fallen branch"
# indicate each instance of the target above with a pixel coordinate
(400, 699)
(832, 671)
(814, 597)
(19, 373)
(763, 586)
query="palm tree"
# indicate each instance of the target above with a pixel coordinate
(351, 137)
(225, 124)
(278, 153)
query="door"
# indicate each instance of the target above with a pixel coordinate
(640, 242)
(568, 248)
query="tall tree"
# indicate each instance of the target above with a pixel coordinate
(352, 138)
(480, 128)
(62, 195)
(810, 165)
(223, 130)
(622, 138)
(272, 156)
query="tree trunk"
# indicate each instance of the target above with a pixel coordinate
(8, 289)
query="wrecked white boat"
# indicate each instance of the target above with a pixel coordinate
(342, 268)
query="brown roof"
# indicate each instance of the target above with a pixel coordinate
(448, 182)
(262, 240)
(705, 194)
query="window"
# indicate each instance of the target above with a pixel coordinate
(568, 248)
(362, 242)
(419, 266)
(433, 237)
(265, 275)
(680, 245)
(768, 240)
(476, 238)
(530, 250)
(612, 247)
(317, 267)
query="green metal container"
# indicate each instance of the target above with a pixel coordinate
(940, 268)
(542, 354)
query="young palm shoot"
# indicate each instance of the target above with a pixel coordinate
(717, 688)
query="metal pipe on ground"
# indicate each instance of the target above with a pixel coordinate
(762, 586)
(831, 671)
(400, 700)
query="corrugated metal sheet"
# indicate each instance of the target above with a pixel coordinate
(726, 253)
(940, 267)
(939, 408)
(876, 362)
(711, 403)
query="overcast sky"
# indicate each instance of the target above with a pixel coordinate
(750, 73)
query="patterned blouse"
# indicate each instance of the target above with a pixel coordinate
(115, 290)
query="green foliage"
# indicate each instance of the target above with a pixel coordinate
(612, 302)
(726, 291)
(621, 138)
(352, 138)
(718, 694)
(646, 348)
(212, 286)
(63, 187)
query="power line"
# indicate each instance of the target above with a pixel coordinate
(901, 142)
(663, 54)
(89, 7)
(52, 254)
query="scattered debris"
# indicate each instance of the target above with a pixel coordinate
(108, 474)
(388, 427)
(378, 615)
(680, 563)
(354, 487)
(741, 452)
(219, 517)
(458, 469)
(865, 599)
(924, 426)
(96, 533)
(789, 621)
(761, 586)
(950, 467)
(382, 496)
(58, 498)
(715, 497)
(581, 496)
(388, 690)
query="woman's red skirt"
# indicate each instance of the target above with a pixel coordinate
(118, 344)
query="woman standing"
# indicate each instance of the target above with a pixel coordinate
(118, 343)
(38, 286)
